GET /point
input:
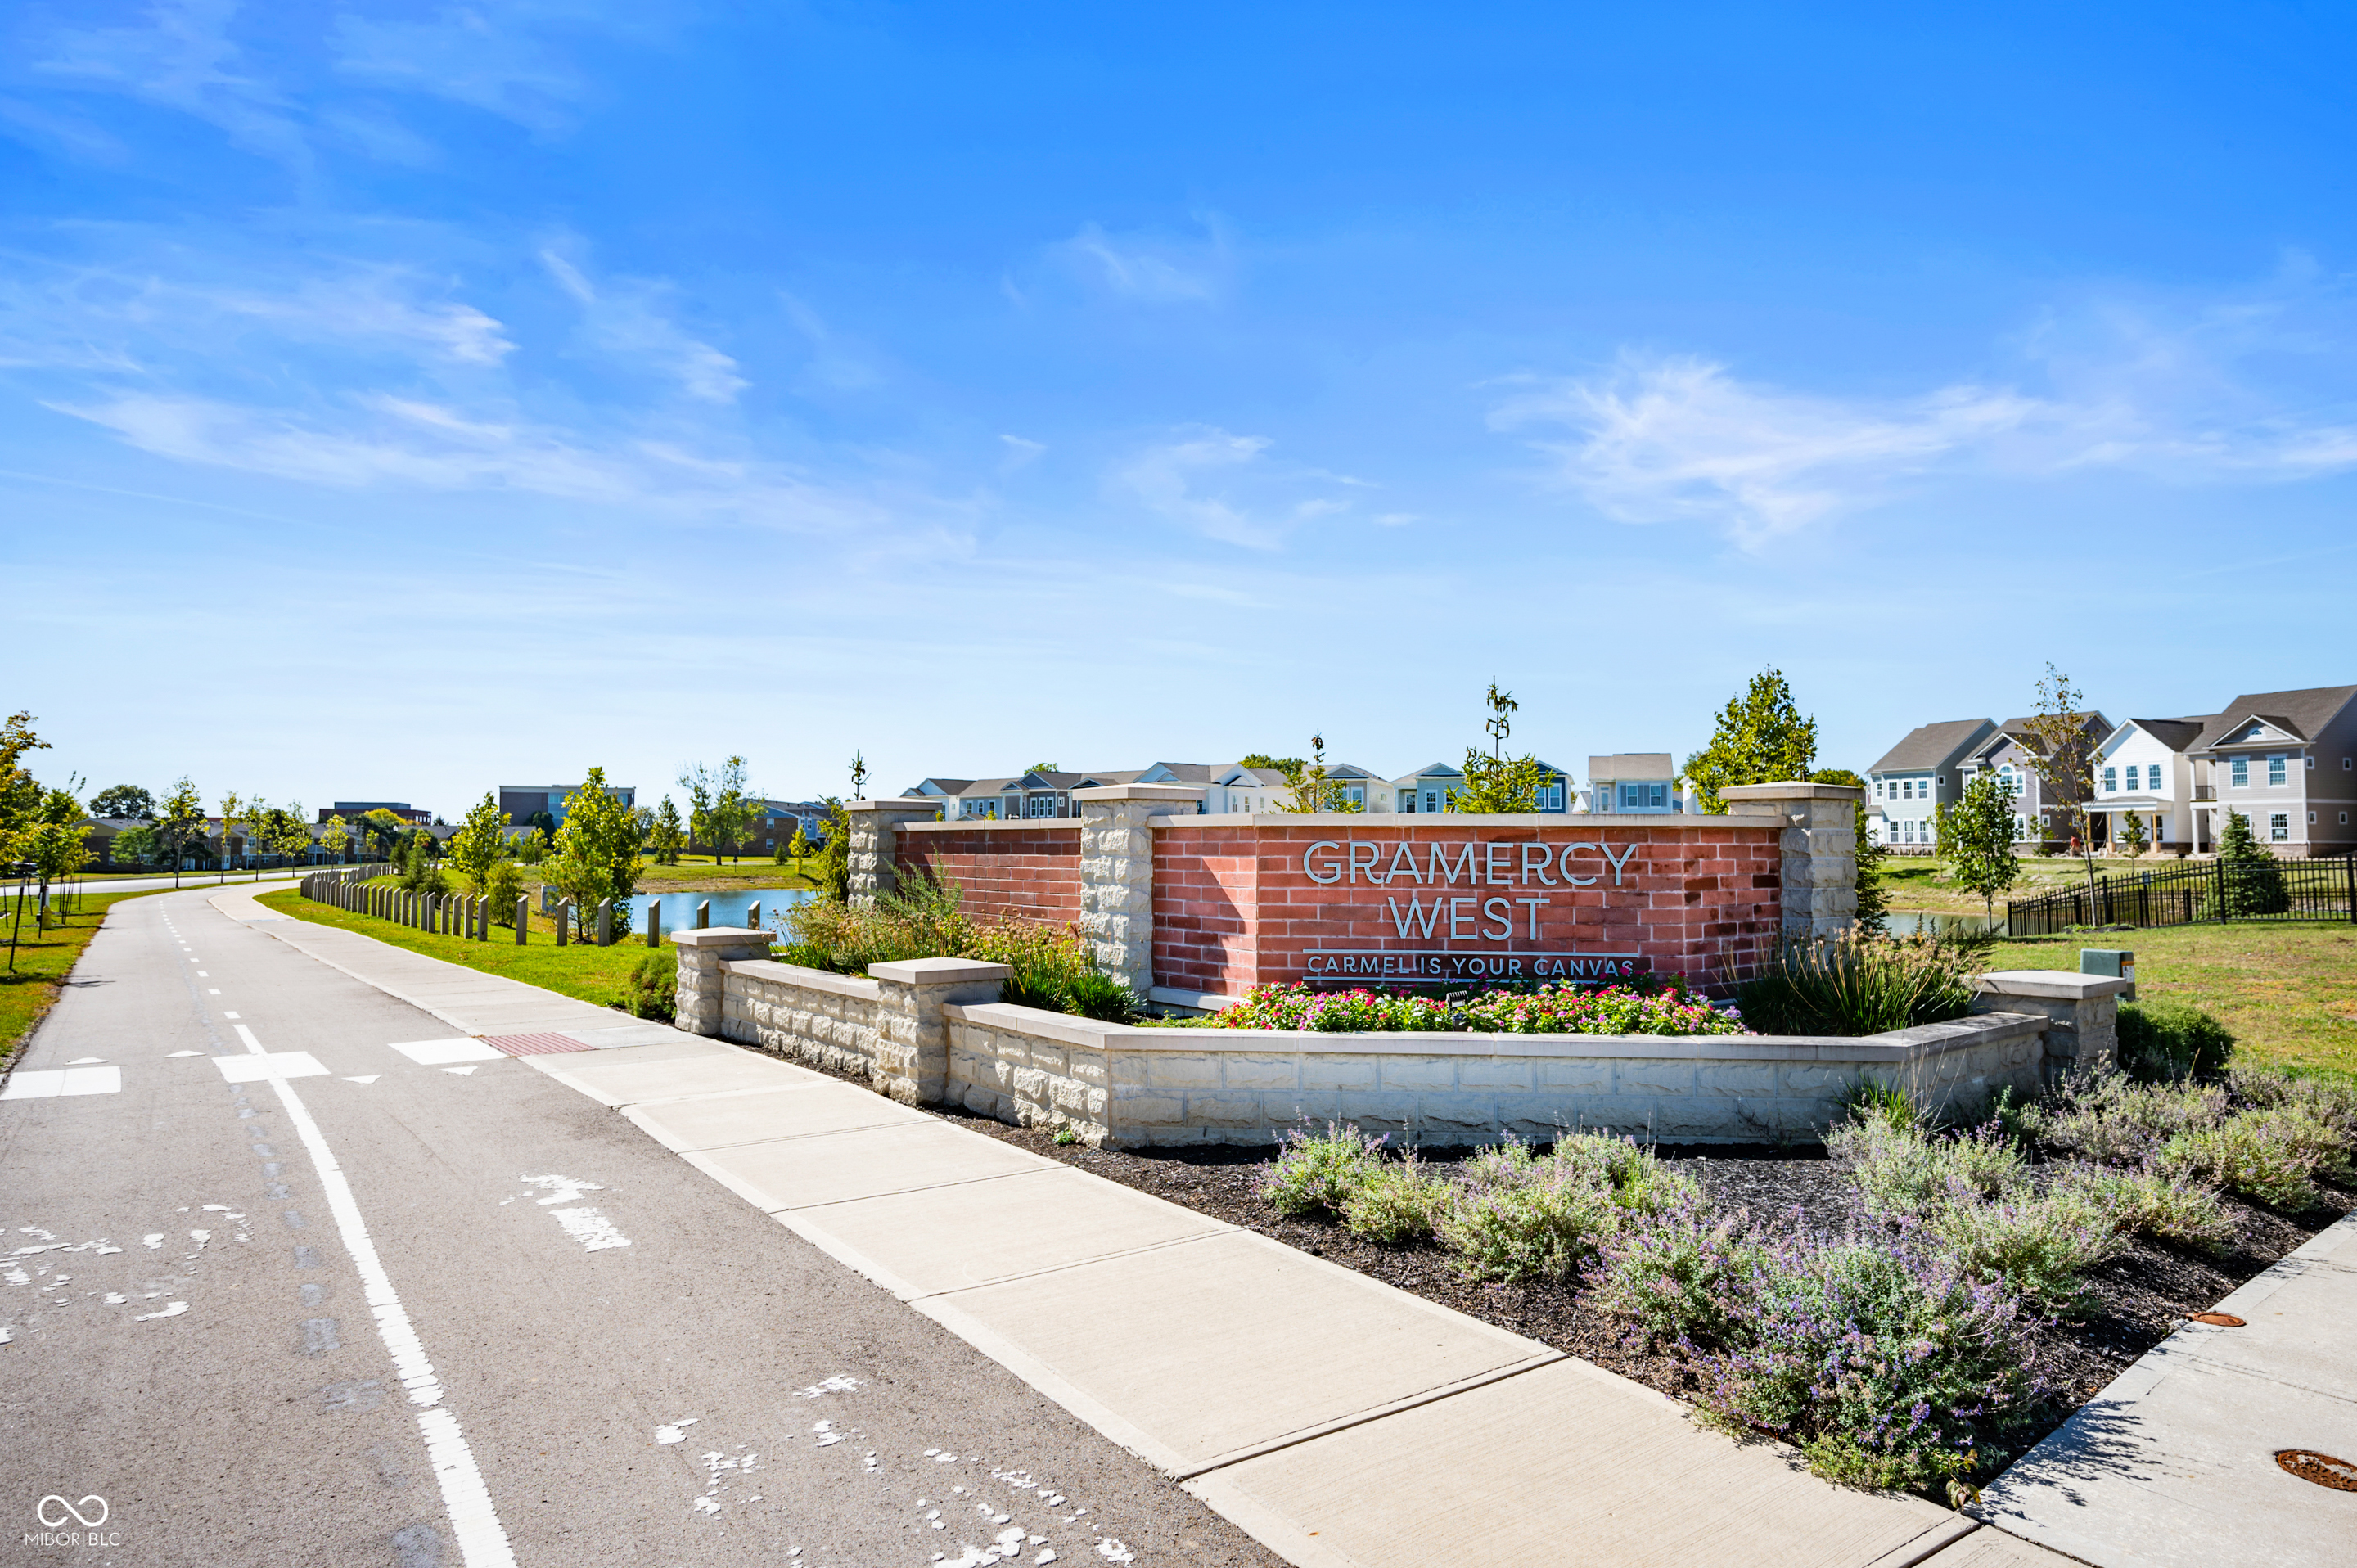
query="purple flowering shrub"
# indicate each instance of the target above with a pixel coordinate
(1521, 1215)
(1885, 1365)
(1318, 1173)
(1673, 1275)
(1557, 1007)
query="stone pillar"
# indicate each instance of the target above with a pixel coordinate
(753, 914)
(875, 843)
(523, 917)
(704, 914)
(564, 921)
(1118, 874)
(702, 979)
(605, 922)
(2083, 1009)
(912, 1055)
(1818, 881)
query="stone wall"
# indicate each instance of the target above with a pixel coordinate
(932, 1032)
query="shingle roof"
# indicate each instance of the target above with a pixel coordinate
(2178, 734)
(2303, 714)
(1932, 745)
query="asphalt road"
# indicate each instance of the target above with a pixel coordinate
(209, 1288)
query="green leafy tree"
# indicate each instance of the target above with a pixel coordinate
(2133, 835)
(1497, 783)
(532, 846)
(1284, 764)
(835, 854)
(124, 800)
(383, 830)
(1036, 768)
(2063, 755)
(58, 846)
(1980, 841)
(232, 817)
(135, 847)
(1762, 737)
(545, 821)
(799, 846)
(336, 836)
(1873, 897)
(2253, 877)
(480, 844)
(284, 830)
(666, 836)
(182, 819)
(1314, 787)
(596, 853)
(20, 793)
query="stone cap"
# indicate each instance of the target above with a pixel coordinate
(2051, 982)
(1138, 792)
(941, 971)
(1195, 1001)
(1569, 821)
(913, 808)
(723, 937)
(1796, 790)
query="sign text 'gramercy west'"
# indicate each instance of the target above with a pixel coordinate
(1466, 917)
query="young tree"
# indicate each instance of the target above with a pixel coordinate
(336, 836)
(2063, 756)
(232, 816)
(859, 776)
(20, 793)
(383, 830)
(2133, 835)
(1762, 739)
(532, 847)
(835, 854)
(1980, 841)
(480, 844)
(288, 834)
(124, 800)
(799, 846)
(57, 847)
(597, 851)
(2253, 877)
(1314, 787)
(135, 846)
(1497, 783)
(666, 836)
(183, 818)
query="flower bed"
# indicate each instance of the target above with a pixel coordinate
(1555, 1008)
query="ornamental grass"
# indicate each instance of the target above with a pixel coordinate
(1860, 983)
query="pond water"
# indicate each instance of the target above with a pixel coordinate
(1908, 922)
(729, 905)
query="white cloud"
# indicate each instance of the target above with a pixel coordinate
(1214, 483)
(182, 60)
(1020, 453)
(487, 57)
(1156, 271)
(626, 320)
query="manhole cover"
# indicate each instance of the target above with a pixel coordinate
(2223, 1319)
(2322, 1468)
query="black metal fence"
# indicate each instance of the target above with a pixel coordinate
(2187, 895)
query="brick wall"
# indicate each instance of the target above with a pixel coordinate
(1235, 905)
(1016, 871)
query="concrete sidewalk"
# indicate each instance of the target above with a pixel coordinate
(1340, 1422)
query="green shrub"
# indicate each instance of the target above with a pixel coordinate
(1092, 994)
(924, 919)
(420, 873)
(2039, 1245)
(1907, 1172)
(653, 990)
(1398, 1202)
(2113, 1120)
(2162, 1041)
(2328, 1101)
(1320, 1173)
(1630, 1177)
(1673, 1275)
(503, 886)
(1884, 1103)
(2269, 1156)
(2148, 1203)
(1542, 1224)
(1859, 984)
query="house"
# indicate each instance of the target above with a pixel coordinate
(1633, 783)
(351, 811)
(1433, 788)
(2288, 762)
(1033, 794)
(2041, 810)
(520, 802)
(2146, 769)
(1923, 772)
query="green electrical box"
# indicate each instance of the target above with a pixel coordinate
(2118, 962)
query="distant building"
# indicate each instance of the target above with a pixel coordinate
(518, 802)
(350, 810)
(1923, 772)
(2286, 761)
(1633, 784)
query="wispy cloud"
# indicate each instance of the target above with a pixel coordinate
(491, 57)
(182, 59)
(1215, 484)
(1151, 269)
(627, 320)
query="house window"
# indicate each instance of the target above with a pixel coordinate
(2112, 780)
(2278, 826)
(2242, 767)
(1359, 796)
(1877, 789)
(1432, 801)
(2275, 770)
(2152, 778)
(1040, 806)
(1408, 802)
(1553, 797)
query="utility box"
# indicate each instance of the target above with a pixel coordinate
(2118, 962)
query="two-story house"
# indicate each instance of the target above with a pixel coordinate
(2288, 762)
(1432, 790)
(2145, 768)
(2040, 811)
(1633, 783)
(1923, 772)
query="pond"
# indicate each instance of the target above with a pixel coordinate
(677, 909)
(1910, 922)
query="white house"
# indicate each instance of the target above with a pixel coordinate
(1633, 783)
(2145, 768)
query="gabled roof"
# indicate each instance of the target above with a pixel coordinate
(1270, 778)
(2302, 715)
(938, 786)
(1180, 773)
(1935, 746)
(2178, 734)
(1436, 770)
(2016, 731)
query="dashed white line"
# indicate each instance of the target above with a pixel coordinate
(474, 1519)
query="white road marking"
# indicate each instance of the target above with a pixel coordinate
(560, 1190)
(369, 1079)
(270, 1065)
(474, 1519)
(461, 1071)
(592, 1229)
(433, 1053)
(677, 1430)
(171, 1309)
(84, 1061)
(184, 1054)
(228, 1015)
(214, 991)
(58, 1083)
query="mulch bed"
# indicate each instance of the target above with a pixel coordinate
(2139, 1298)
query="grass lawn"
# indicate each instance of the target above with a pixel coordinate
(702, 873)
(2289, 991)
(43, 960)
(1920, 882)
(582, 970)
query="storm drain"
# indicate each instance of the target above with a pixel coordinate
(2221, 1319)
(2322, 1468)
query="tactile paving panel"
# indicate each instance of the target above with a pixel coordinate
(542, 1044)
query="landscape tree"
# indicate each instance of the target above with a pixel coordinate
(57, 847)
(20, 794)
(135, 846)
(232, 817)
(288, 834)
(1035, 768)
(1495, 782)
(480, 844)
(666, 837)
(2063, 756)
(799, 846)
(124, 800)
(1873, 898)
(544, 820)
(597, 851)
(383, 830)
(835, 854)
(1284, 764)
(336, 836)
(1762, 739)
(1980, 841)
(1314, 787)
(2133, 836)
(859, 776)
(532, 846)
(182, 819)
(2253, 879)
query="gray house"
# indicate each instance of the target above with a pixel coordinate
(1923, 772)
(2010, 752)
(2288, 762)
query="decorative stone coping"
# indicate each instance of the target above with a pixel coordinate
(721, 937)
(1794, 791)
(808, 979)
(2055, 982)
(995, 825)
(942, 971)
(1192, 1001)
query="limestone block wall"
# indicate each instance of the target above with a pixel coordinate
(827, 1020)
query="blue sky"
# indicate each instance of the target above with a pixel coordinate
(401, 400)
